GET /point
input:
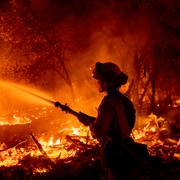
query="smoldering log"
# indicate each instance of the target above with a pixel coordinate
(38, 145)
(14, 145)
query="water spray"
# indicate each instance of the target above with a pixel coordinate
(51, 102)
(26, 93)
(83, 118)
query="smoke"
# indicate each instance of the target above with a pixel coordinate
(82, 32)
(4, 4)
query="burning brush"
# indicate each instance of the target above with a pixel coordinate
(49, 151)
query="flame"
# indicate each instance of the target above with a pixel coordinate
(40, 170)
(55, 148)
(14, 120)
(154, 133)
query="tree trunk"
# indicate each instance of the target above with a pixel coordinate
(145, 90)
(153, 86)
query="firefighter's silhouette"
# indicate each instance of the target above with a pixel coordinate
(114, 122)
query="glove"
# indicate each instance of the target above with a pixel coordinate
(57, 104)
(85, 119)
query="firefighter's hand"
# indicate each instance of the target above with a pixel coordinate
(57, 104)
(85, 119)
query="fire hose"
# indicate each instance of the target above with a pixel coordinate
(83, 118)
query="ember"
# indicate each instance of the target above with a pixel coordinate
(68, 142)
(63, 147)
(155, 134)
(14, 119)
(46, 50)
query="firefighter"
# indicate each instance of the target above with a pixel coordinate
(115, 120)
(123, 158)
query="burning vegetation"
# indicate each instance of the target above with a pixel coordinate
(50, 45)
(47, 154)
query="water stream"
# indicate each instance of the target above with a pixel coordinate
(26, 93)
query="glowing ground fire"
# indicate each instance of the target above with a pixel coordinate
(54, 147)
(61, 148)
(69, 140)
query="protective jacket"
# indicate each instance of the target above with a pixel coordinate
(112, 119)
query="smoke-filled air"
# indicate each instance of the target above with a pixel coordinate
(48, 49)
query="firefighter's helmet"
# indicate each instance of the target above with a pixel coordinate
(109, 73)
